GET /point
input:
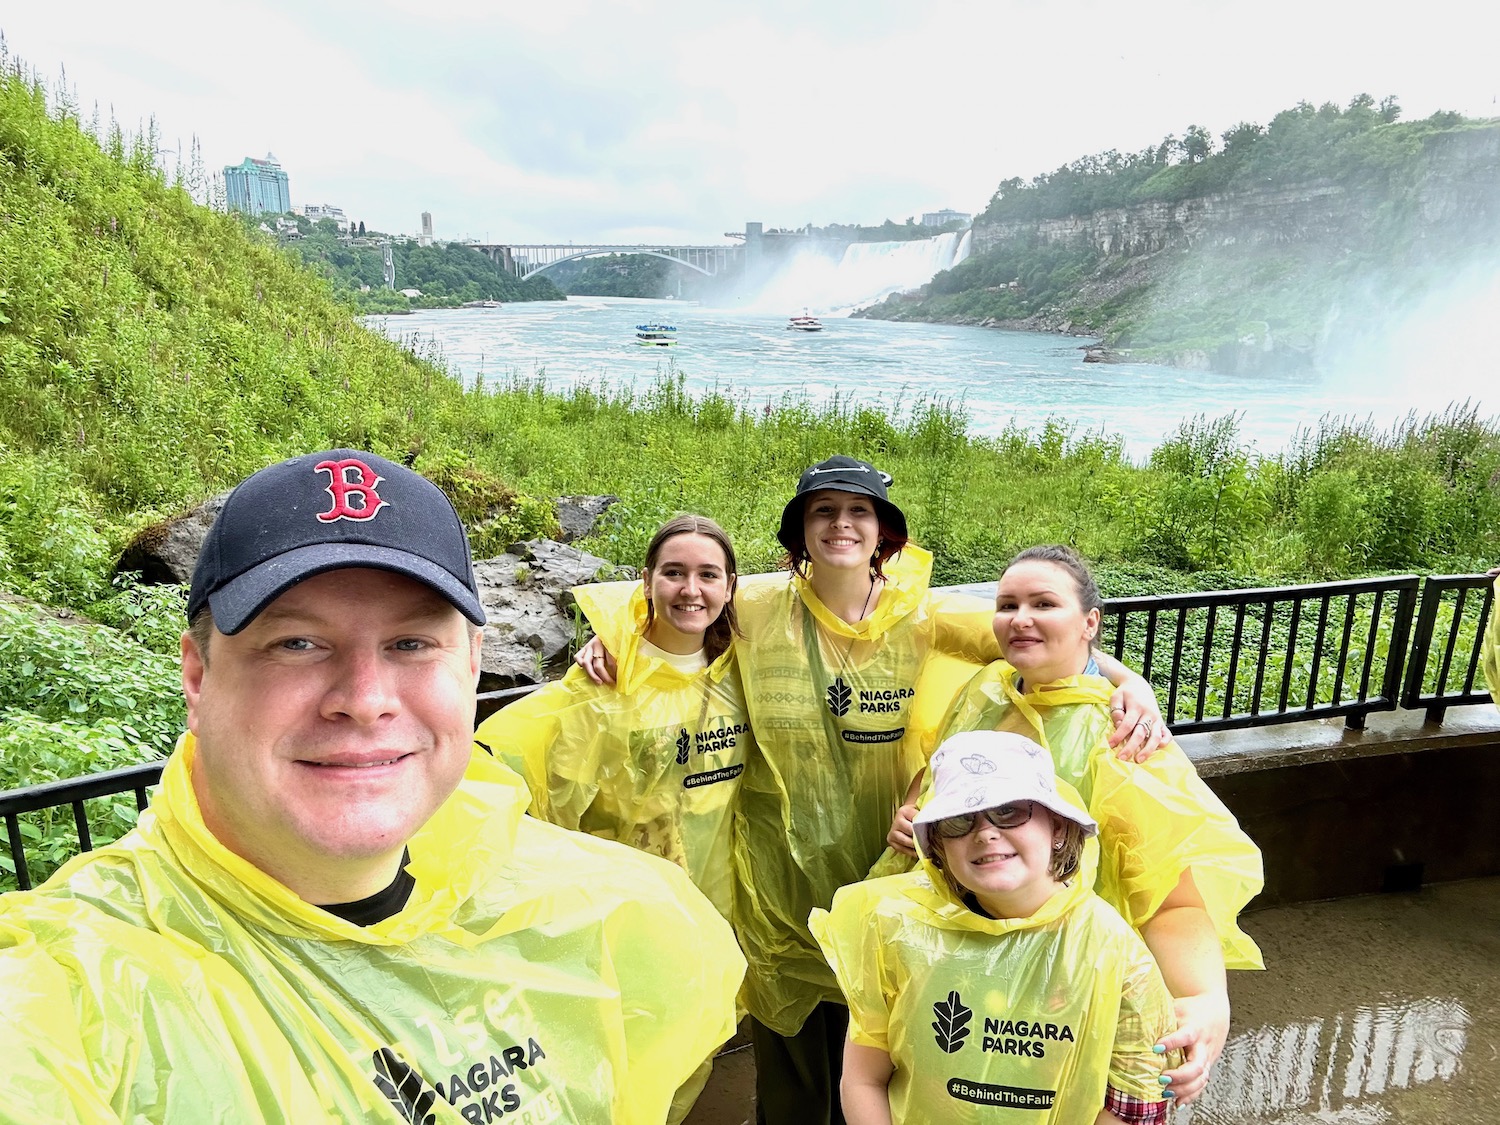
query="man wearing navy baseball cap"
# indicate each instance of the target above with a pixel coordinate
(334, 908)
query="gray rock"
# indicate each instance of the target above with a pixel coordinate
(579, 516)
(166, 552)
(527, 595)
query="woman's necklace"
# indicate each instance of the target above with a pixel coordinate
(839, 692)
(863, 613)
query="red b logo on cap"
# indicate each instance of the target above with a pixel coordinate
(341, 486)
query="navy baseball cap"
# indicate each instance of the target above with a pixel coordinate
(845, 474)
(326, 511)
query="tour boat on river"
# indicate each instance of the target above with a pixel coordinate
(656, 335)
(805, 323)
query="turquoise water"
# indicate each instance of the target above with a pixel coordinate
(1002, 378)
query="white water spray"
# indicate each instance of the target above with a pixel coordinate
(1437, 352)
(867, 273)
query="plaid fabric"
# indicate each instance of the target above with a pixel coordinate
(1135, 1111)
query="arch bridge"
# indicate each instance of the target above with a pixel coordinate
(525, 261)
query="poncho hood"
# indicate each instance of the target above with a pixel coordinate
(616, 611)
(906, 579)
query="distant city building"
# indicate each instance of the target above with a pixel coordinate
(938, 218)
(316, 211)
(256, 186)
(426, 239)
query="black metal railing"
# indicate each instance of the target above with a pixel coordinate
(73, 791)
(492, 701)
(1449, 629)
(1226, 659)
(1242, 658)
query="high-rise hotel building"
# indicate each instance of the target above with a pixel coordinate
(256, 186)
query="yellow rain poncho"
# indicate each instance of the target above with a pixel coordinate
(1490, 651)
(1156, 818)
(534, 975)
(653, 762)
(1033, 1014)
(844, 716)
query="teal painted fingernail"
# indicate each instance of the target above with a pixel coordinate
(1159, 1049)
(1169, 1093)
(1165, 1079)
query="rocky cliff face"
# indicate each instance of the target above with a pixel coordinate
(1254, 280)
(1460, 188)
(1268, 217)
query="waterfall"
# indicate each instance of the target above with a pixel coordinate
(866, 273)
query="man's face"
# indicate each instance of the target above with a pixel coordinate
(333, 725)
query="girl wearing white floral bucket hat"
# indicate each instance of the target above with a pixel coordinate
(993, 975)
(990, 780)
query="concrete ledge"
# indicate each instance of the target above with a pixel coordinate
(1219, 753)
(1339, 812)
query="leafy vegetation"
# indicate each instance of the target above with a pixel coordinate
(1301, 144)
(625, 275)
(888, 231)
(77, 699)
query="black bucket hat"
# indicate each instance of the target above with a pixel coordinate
(842, 474)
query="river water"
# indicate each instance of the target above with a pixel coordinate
(1001, 378)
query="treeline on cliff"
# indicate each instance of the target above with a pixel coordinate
(447, 273)
(625, 275)
(1383, 214)
(1300, 145)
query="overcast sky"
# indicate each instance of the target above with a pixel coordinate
(574, 120)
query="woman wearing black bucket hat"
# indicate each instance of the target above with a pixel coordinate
(849, 670)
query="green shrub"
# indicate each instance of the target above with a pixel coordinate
(86, 674)
(50, 548)
(75, 700)
(154, 616)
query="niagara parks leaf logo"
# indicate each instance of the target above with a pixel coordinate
(951, 1027)
(395, 1078)
(839, 696)
(684, 743)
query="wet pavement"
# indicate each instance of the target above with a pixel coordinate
(1379, 1010)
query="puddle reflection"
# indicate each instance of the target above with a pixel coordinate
(1331, 1066)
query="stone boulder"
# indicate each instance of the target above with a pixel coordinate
(527, 595)
(166, 552)
(579, 516)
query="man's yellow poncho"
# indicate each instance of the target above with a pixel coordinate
(534, 975)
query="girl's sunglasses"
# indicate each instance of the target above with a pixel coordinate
(1006, 816)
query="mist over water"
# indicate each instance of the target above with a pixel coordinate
(867, 272)
(1444, 344)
